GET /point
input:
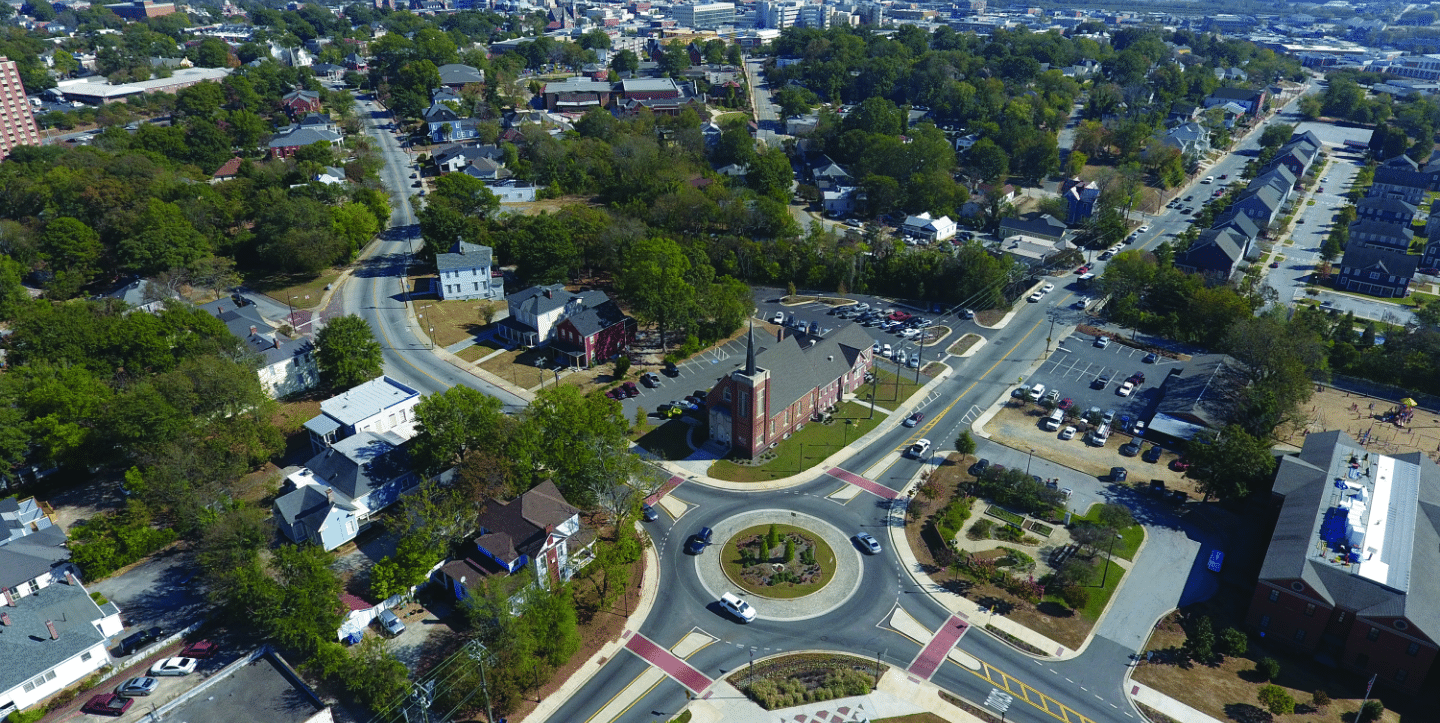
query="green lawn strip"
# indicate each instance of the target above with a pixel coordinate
(292, 289)
(1100, 595)
(1418, 297)
(667, 440)
(1130, 537)
(824, 557)
(474, 352)
(892, 388)
(1004, 514)
(818, 441)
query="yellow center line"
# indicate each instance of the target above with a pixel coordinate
(1025, 692)
(941, 414)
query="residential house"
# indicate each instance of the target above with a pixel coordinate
(286, 364)
(1385, 209)
(597, 333)
(538, 527)
(838, 201)
(318, 122)
(356, 63)
(577, 95)
(1405, 184)
(331, 176)
(53, 639)
(1261, 204)
(338, 491)
(1036, 225)
(1297, 156)
(379, 405)
(1350, 570)
(1276, 176)
(453, 158)
(1381, 234)
(784, 385)
(486, 169)
(924, 229)
(457, 75)
(642, 89)
(1215, 254)
(466, 272)
(825, 173)
(446, 125)
(227, 172)
(287, 142)
(1191, 139)
(19, 518)
(1252, 101)
(1235, 220)
(1080, 198)
(298, 102)
(513, 191)
(537, 311)
(328, 71)
(1182, 112)
(1376, 270)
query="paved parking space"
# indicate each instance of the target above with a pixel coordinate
(1078, 363)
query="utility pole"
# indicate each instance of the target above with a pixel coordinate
(480, 658)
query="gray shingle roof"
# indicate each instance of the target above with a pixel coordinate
(1234, 219)
(456, 73)
(440, 113)
(1203, 391)
(1215, 249)
(535, 301)
(795, 372)
(303, 137)
(26, 649)
(464, 255)
(361, 463)
(1388, 261)
(25, 558)
(598, 318)
(1386, 204)
(306, 503)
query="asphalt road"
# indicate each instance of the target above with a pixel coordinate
(1172, 568)
(377, 292)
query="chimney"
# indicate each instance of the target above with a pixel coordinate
(9, 599)
(70, 578)
(5, 619)
(54, 635)
(330, 494)
(277, 342)
(549, 293)
(780, 334)
(252, 329)
(219, 309)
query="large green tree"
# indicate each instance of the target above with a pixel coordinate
(653, 279)
(1230, 463)
(454, 423)
(347, 353)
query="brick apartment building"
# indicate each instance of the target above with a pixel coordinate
(782, 386)
(17, 123)
(1350, 574)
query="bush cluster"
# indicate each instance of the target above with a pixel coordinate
(775, 694)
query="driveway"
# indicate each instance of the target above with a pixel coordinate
(162, 590)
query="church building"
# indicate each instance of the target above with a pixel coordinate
(784, 385)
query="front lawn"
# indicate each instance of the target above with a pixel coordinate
(301, 291)
(816, 442)
(890, 387)
(667, 440)
(1130, 537)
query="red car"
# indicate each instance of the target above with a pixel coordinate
(200, 649)
(1083, 270)
(1180, 464)
(108, 704)
(1066, 403)
(617, 394)
(900, 316)
(630, 389)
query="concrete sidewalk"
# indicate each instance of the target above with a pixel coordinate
(897, 694)
(1141, 693)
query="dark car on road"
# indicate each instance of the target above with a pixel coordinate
(648, 513)
(699, 541)
(1100, 382)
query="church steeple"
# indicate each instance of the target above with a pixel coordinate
(750, 351)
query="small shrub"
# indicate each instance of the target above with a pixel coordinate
(98, 598)
(1268, 668)
(26, 716)
(1009, 533)
(980, 530)
(1075, 596)
(1234, 642)
(1319, 698)
(1277, 699)
(1370, 712)
(622, 366)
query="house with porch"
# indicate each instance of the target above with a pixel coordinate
(286, 363)
(1036, 225)
(465, 272)
(595, 334)
(1215, 254)
(924, 229)
(538, 530)
(537, 312)
(379, 405)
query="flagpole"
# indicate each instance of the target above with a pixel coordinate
(1368, 686)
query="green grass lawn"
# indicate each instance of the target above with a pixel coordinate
(892, 388)
(1099, 593)
(824, 557)
(1130, 537)
(1418, 297)
(285, 287)
(817, 440)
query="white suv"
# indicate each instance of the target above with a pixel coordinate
(737, 607)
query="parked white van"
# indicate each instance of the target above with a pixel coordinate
(1053, 421)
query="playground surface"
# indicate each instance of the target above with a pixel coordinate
(1381, 425)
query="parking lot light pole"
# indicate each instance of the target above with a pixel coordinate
(1028, 460)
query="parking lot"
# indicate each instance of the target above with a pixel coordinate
(1077, 367)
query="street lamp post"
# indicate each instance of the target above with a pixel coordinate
(1105, 576)
(1028, 460)
(540, 364)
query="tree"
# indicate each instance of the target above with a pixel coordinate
(578, 441)
(1229, 464)
(1276, 135)
(454, 423)
(1234, 642)
(965, 444)
(771, 175)
(212, 53)
(347, 353)
(163, 239)
(1114, 517)
(988, 160)
(1277, 699)
(72, 251)
(1267, 668)
(1199, 643)
(1370, 712)
(654, 279)
(1075, 163)
(625, 61)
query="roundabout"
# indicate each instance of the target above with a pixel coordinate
(838, 582)
(778, 561)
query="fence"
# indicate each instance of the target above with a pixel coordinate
(1378, 390)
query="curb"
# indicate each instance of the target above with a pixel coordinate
(649, 591)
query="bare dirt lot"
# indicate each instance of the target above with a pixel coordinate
(1357, 415)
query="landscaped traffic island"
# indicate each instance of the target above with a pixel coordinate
(778, 561)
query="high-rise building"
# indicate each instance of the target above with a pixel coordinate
(704, 16)
(777, 15)
(17, 123)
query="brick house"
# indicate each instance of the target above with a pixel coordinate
(539, 526)
(300, 102)
(1350, 571)
(783, 385)
(597, 333)
(598, 329)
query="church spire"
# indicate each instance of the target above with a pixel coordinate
(750, 351)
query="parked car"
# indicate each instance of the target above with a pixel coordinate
(174, 666)
(1152, 455)
(391, 622)
(1053, 395)
(1100, 382)
(1137, 378)
(108, 704)
(1067, 433)
(778, 318)
(914, 419)
(1036, 392)
(200, 649)
(1125, 389)
(137, 686)
(139, 639)
(914, 362)
(1129, 449)
(1065, 404)
(1151, 358)
(699, 541)
(1118, 474)
(867, 543)
(1180, 464)
(650, 379)
(886, 351)
(737, 607)
(630, 389)
(1102, 342)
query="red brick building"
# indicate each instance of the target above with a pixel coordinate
(598, 333)
(299, 102)
(782, 386)
(1353, 569)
